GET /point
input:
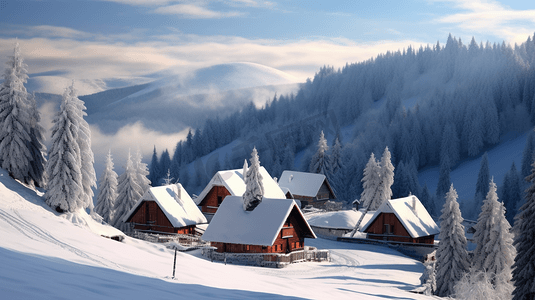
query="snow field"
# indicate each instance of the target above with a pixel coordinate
(44, 255)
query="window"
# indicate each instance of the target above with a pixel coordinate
(219, 200)
(389, 229)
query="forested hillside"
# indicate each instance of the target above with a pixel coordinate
(435, 105)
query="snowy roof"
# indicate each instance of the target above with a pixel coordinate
(411, 213)
(343, 219)
(302, 183)
(233, 181)
(176, 204)
(232, 224)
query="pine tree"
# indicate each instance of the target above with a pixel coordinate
(87, 160)
(482, 185)
(371, 184)
(511, 192)
(165, 164)
(127, 194)
(107, 192)
(494, 253)
(524, 266)
(387, 177)
(142, 172)
(336, 156)
(527, 155)
(320, 161)
(37, 146)
(65, 187)
(154, 169)
(16, 116)
(443, 179)
(254, 188)
(452, 257)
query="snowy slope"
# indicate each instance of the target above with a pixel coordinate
(464, 175)
(45, 256)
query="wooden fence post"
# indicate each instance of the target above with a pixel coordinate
(174, 265)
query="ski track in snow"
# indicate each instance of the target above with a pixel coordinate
(34, 232)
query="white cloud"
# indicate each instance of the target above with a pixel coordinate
(100, 59)
(490, 17)
(195, 12)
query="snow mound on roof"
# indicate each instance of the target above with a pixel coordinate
(232, 224)
(176, 204)
(343, 219)
(411, 213)
(302, 183)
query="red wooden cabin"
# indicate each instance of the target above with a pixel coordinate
(165, 210)
(274, 226)
(310, 188)
(230, 183)
(402, 220)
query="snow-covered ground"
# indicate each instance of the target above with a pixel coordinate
(45, 256)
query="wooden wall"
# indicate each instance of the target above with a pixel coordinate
(210, 203)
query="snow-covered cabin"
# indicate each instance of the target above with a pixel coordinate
(402, 220)
(230, 183)
(165, 209)
(309, 188)
(274, 226)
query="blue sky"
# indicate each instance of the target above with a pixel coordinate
(120, 38)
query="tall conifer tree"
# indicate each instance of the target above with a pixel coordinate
(107, 191)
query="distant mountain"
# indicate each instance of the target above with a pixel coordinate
(173, 102)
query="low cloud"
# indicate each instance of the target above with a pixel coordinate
(195, 12)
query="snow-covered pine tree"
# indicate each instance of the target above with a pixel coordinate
(15, 120)
(524, 266)
(452, 257)
(245, 169)
(371, 184)
(142, 172)
(527, 155)
(37, 146)
(482, 185)
(254, 188)
(87, 160)
(107, 191)
(65, 187)
(387, 177)
(320, 161)
(494, 253)
(128, 194)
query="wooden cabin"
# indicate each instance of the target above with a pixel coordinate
(165, 210)
(230, 183)
(402, 220)
(310, 188)
(274, 226)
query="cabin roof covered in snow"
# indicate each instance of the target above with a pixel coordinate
(342, 219)
(302, 183)
(176, 204)
(232, 224)
(232, 180)
(411, 213)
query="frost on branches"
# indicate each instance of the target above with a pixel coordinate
(89, 177)
(320, 161)
(254, 189)
(494, 253)
(128, 194)
(107, 192)
(377, 181)
(524, 266)
(142, 171)
(21, 137)
(65, 187)
(452, 257)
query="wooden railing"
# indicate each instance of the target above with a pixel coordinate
(276, 260)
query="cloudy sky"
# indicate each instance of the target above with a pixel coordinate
(91, 39)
